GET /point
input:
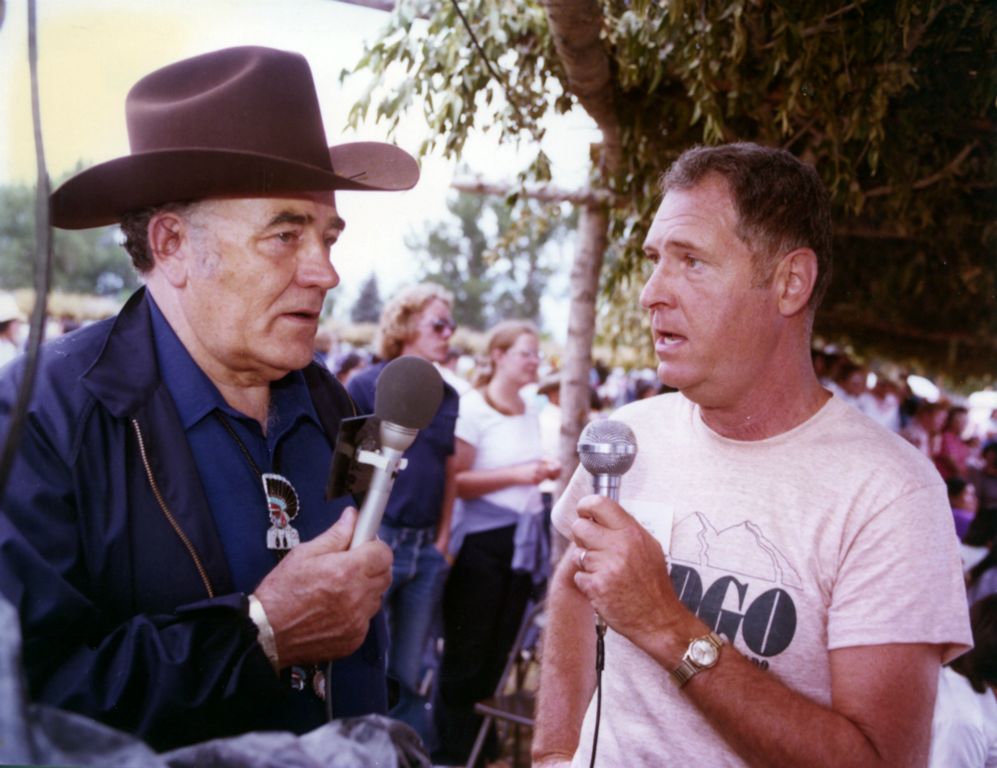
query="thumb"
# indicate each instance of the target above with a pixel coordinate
(336, 538)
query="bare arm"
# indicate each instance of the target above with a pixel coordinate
(473, 483)
(882, 696)
(446, 512)
(567, 675)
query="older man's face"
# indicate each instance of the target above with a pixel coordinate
(257, 273)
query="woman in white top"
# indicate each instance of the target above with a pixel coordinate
(964, 727)
(498, 534)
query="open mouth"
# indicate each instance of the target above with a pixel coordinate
(669, 339)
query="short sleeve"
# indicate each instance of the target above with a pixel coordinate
(900, 578)
(470, 421)
(565, 510)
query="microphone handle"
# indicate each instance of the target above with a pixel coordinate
(607, 485)
(372, 510)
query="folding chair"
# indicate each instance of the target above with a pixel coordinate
(512, 701)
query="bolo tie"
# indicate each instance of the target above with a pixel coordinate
(282, 507)
(282, 499)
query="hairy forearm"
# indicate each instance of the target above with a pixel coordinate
(567, 675)
(782, 727)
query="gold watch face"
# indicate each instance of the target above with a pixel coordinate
(703, 653)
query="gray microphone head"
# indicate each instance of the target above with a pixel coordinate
(408, 392)
(607, 447)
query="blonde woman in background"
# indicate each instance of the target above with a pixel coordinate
(498, 534)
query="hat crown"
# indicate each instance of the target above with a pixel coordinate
(248, 99)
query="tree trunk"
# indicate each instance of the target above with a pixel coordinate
(576, 403)
(576, 26)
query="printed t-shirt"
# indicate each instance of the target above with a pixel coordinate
(834, 534)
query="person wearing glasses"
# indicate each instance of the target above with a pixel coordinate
(498, 538)
(416, 523)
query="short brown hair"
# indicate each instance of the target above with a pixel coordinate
(397, 326)
(780, 201)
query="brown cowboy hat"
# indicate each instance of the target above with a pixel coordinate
(240, 121)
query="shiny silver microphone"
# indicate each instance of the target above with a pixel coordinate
(607, 450)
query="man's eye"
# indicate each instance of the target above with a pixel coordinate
(693, 262)
(287, 237)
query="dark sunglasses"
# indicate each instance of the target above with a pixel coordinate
(439, 326)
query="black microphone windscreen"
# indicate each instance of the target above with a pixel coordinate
(408, 392)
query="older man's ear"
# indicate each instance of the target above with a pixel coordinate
(168, 232)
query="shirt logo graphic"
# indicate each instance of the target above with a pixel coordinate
(731, 604)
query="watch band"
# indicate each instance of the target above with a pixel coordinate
(265, 635)
(688, 667)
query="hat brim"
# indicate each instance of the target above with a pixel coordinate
(103, 194)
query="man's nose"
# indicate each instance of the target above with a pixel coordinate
(315, 268)
(659, 289)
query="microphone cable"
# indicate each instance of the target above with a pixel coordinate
(600, 663)
(42, 267)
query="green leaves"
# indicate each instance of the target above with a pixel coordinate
(884, 99)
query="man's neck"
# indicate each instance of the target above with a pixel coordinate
(246, 392)
(254, 401)
(786, 403)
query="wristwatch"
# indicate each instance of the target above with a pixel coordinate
(702, 653)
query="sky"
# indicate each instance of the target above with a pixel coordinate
(92, 51)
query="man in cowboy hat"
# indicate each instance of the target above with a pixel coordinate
(174, 456)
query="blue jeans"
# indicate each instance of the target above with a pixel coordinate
(412, 605)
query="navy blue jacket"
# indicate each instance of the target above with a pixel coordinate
(109, 552)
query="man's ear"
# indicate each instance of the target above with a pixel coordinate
(167, 236)
(795, 279)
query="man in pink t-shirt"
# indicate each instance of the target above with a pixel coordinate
(780, 580)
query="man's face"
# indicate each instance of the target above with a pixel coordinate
(257, 270)
(714, 334)
(434, 326)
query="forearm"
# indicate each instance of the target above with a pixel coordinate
(474, 483)
(768, 723)
(164, 678)
(567, 674)
(446, 509)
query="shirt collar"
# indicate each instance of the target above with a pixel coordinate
(196, 396)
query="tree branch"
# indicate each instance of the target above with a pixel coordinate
(547, 193)
(576, 26)
(927, 181)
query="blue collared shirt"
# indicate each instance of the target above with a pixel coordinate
(294, 446)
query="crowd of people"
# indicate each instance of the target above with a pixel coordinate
(780, 581)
